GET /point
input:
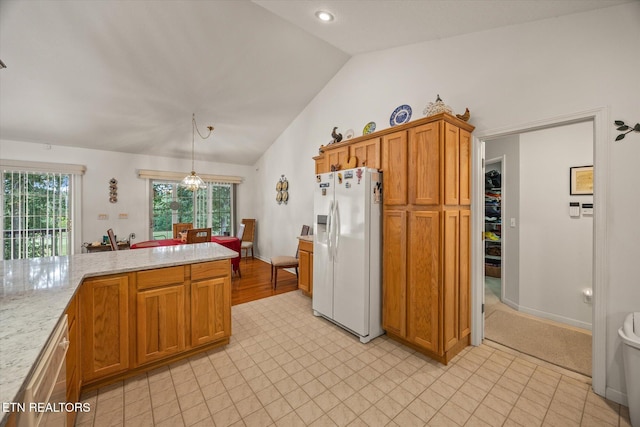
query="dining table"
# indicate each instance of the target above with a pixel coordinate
(230, 242)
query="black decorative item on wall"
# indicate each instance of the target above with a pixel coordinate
(622, 127)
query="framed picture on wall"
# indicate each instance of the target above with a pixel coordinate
(581, 181)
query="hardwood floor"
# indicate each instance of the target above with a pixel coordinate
(255, 282)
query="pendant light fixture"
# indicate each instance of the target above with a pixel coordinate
(193, 182)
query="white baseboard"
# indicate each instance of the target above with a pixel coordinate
(548, 316)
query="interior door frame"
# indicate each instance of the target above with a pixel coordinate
(504, 253)
(599, 117)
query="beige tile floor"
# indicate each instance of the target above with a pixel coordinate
(285, 367)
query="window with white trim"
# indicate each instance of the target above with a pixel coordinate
(37, 212)
(211, 207)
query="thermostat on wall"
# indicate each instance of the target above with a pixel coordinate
(574, 209)
(587, 209)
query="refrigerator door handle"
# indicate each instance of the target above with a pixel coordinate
(329, 230)
(336, 229)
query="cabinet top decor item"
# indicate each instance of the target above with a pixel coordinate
(337, 137)
(400, 115)
(437, 107)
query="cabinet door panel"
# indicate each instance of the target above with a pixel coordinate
(424, 154)
(465, 167)
(450, 256)
(104, 326)
(423, 279)
(367, 153)
(394, 166)
(321, 165)
(304, 267)
(338, 156)
(210, 310)
(451, 164)
(160, 323)
(465, 273)
(394, 298)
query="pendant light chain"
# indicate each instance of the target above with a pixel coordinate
(194, 126)
(193, 182)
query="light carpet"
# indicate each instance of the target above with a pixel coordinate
(564, 347)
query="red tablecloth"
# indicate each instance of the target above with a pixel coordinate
(232, 243)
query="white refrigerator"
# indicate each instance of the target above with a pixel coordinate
(346, 253)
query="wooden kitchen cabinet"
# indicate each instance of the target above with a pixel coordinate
(426, 235)
(367, 152)
(160, 313)
(160, 323)
(135, 322)
(394, 168)
(104, 320)
(305, 267)
(337, 156)
(210, 302)
(72, 358)
(394, 272)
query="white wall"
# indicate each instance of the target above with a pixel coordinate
(556, 250)
(509, 149)
(133, 192)
(508, 76)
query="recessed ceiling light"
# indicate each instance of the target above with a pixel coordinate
(324, 16)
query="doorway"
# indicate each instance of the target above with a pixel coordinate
(493, 236)
(548, 251)
(597, 119)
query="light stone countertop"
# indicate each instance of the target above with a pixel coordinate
(34, 294)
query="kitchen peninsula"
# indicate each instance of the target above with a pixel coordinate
(128, 311)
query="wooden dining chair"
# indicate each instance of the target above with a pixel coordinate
(248, 237)
(178, 227)
(278, 262)
(112, 239)
(199, 235)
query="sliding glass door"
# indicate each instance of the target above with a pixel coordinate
(36, 219)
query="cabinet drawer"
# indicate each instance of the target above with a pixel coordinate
(205, 270)
(160, 277)
(306, 246)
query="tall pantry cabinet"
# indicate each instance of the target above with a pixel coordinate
(426, 236)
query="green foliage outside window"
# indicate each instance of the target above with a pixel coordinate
(210, 207)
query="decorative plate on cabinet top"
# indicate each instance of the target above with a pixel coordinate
(368, 128)
(349, 134)
(400, 115)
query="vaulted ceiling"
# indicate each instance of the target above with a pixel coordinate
(127, 75)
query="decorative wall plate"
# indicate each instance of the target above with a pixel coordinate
(285, 196)
(400, 115)
(349, 134)
(279, 197)
(285, 185)
(368, 128)
(279, 186)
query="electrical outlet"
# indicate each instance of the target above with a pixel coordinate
(103, 217)
(123, 216)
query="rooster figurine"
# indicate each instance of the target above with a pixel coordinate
(337, 137)
(464, 116)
